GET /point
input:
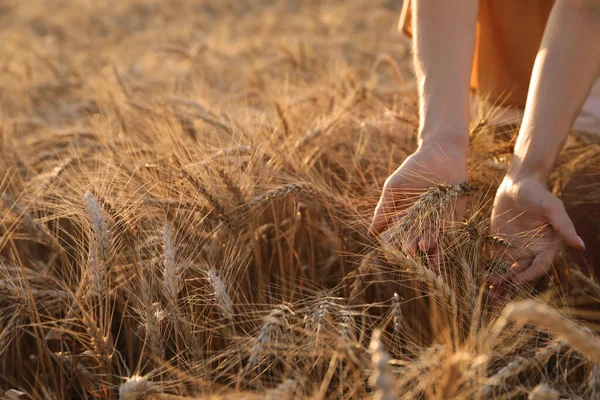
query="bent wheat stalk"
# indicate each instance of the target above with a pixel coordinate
(567, 330)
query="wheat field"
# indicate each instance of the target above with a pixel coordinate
(186, 188)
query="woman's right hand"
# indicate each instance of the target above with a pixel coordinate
(429, 165)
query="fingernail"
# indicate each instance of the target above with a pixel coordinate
(370, 233)
(581, 243)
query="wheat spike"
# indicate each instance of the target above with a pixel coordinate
(13, 394)
(422, 274)
(99, 245)
(429, 205)
(286, 390)
(221, 293)
(134, 387)
(271, 324)
(543, 392)
(381, 378)
(171, 270)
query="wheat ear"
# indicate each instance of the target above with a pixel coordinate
(171, 271)
(134, 387)
(221, 293)
(381, 378)
(99, 245)
(271, 324)
(543, 392)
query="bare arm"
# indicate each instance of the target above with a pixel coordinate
(565, 69)
(444, 45)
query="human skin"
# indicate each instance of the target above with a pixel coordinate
(524, 210)
(565, 68)
(443, 72)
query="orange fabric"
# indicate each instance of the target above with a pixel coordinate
(509, 33)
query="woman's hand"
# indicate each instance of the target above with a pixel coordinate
(536, 223)
(420, 171)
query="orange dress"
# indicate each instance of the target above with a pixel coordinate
(509, 33)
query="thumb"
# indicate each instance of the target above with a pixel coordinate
(382, 214)
(562, 224)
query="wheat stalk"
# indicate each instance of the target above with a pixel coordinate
(593, 382)
(536, 313)
(585, 279)
(422, 274)
(212, 200)
(518, 365)
(29, 221)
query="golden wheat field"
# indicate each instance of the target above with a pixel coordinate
(186, 188)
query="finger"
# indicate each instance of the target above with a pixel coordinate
(382, 214)
(562, 224)
(540, 266)
(520, 265)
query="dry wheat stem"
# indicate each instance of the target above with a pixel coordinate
(536, 313)
(518, 365)
(29, 221)
(422, 274)
(202, 190)
(585, 279)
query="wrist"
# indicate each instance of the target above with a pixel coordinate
(522, 169)
(451, 146)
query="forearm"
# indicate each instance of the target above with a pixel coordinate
(564, 71)
(444, 44)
